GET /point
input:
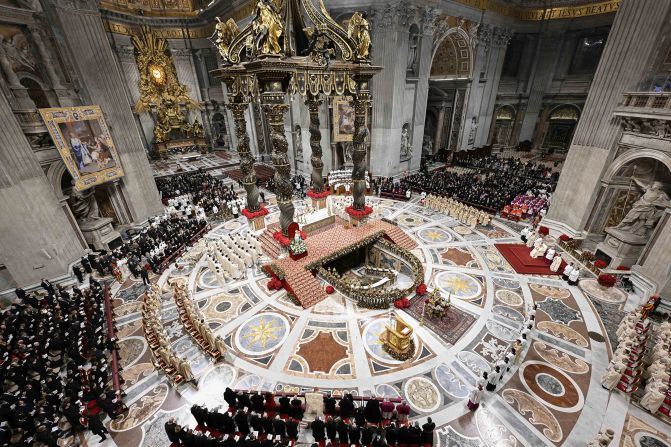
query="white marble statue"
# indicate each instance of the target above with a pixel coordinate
(644, 214)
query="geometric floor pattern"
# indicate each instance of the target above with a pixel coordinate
(552, 397)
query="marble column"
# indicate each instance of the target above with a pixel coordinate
(313, 104)
(656, 259)
(36, 238)
(439, 128)
(274, 109)
(237, 109)
(360, 142)
(633, 42)
(544, 63)
(101, 82)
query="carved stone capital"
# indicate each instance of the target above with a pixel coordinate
(501, 37)
(429, 20)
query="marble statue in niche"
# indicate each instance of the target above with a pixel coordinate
(471, 134)
(412, 50)
(406, 144)
(83, 204)
(298, 143)
(646, 211)
(427, 145)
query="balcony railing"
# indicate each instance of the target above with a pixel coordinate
(645, 103)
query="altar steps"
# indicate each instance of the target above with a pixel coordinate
(400, 238)
(269, 245)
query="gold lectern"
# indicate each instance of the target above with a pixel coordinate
(397, 340)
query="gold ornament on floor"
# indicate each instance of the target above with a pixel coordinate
(397, 339)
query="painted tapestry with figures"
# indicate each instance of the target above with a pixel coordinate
(84, 143)
(343, 119)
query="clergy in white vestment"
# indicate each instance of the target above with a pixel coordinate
(556, 263)
(612, 376)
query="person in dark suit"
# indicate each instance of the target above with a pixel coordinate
(243, 401)
(46, 285)
(86, 264)
(229, 397)
(360, 416)
(329, 405)
(346, 405)
(279, 427)
(285, 405)
(331, 428)
(171, 431)
(240, 419)
(343, 430)
(354, 434)
(367, 435)
(317, 427)
(427, 432)
(145, 276)
(255, 422)
(296, 408)
(373, 412)
(292, 429)
(258, 403)
(391, 434)
(20, 293)
(267, 424)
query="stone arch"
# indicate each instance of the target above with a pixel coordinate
(504, 122)
(453, 56)
(565, 111)
(35, 89)
(55, 174)
(558, 128)
(631, 156)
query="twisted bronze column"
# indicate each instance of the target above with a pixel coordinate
(313, 104)
(283, 187)
(238, 109)
(360, 142)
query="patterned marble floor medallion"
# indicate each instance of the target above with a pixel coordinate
(509, 298)
(607, 294)
(562, 331)
(508, 312)
(650, 440)
(492, 430)
(422, 394)
(490, 348)
(216, 381)
(131, 350)
(208, 280)
(324, 352)
(535, 412)
(554, 292)
(501, 331)
(410, 220)
(262, 333)
(450, 382)
(448, 437)
(458, 256)
(462, 230)
(506, 283)
(474, 362)
(142, 409)
(459, 285)
(551, 386)
(560, 359)
(558, 311)
(386, 390)
(434, 235)
(133, 374)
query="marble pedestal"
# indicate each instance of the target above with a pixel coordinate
(99, 233)
(257, 223)
(622, 248)
(318, 204)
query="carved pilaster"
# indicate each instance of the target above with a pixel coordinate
(246, 159)
(313, 104)
(429, 20)
(45, 55)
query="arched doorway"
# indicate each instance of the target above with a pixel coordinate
(561, 124)
(504, 121)
(449, 81)
(219, 129)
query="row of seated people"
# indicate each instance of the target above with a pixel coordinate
(203, 437)
(258, 402)
(245, 422)
(394, 189)
(194, 323)
(339, 433)
(463, 213)
(164, 358)
(230, 256)
(54, 366)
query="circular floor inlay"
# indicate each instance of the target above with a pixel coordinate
(459, 285)
(262, 333)
(550, 384)
(509, 297)
(422, 394)
(649, 441)
(434, 235)
(607, 294)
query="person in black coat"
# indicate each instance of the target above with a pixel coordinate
(427, 432)
(228, 424)
(279, 427)
(97, 427)
(292, 429)
(229, 397)
(391, 433)
(20, 293)
(296, 408)
(267, 425)
(360, 416)
(87, 265)
(243, 401)
(346, 405)
(285, 405)
(373, 412)
(255, 422)
(343, 430)
(199, 414)
(415, 435)
(170, 430)
(258, 403)
(367, 435)
(145, 276)
(354, 434)
(329, 405)
(403, 435)
(317, 427)
(240, 419)
(331, 429)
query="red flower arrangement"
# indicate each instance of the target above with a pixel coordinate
(421, 289)
(606, 280)
(329, 289)
(274, 283)
(403, 303)
(318, 195)
(254, 214)
(285, 241)
(622, 268)
(358, 214)
(564, 238)
(600, 264)
(544, 231)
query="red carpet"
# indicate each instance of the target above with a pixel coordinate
(518, 257)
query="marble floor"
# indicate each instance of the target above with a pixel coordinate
(552, 397)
